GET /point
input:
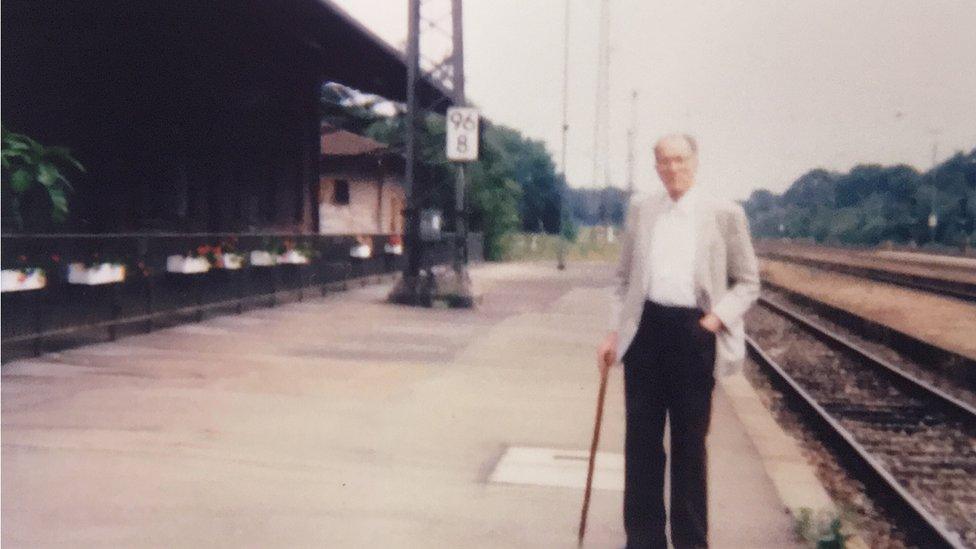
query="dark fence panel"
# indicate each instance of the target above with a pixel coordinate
(63, 315)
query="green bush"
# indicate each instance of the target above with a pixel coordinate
(822, 530)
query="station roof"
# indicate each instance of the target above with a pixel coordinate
(355, 56)
(338, 142)
(344, 151)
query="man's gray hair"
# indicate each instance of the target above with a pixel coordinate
(692, 143)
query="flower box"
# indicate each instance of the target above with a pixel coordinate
(231, 262)
(95, 275)
(19, 280)
(292, 257)
(180, 264)
(394, 245)
(261, 258)
(360, 251)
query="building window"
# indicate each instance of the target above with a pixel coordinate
(340, 192)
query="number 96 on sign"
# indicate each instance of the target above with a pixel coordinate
(462, 134)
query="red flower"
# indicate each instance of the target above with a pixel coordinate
(56, 258)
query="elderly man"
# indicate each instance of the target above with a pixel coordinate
(688, 273)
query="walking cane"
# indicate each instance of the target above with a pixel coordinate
(593, 446)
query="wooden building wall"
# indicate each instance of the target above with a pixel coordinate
(375, 205)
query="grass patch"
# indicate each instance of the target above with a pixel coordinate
(823, 530)
(591, 244)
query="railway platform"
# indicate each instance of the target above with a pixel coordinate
(347, 422)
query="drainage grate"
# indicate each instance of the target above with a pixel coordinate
(558, 467)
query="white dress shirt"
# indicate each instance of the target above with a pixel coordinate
(671, 261)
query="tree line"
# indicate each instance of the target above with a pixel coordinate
(872, 204)
(599, 206)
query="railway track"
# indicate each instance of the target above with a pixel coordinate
(953, 372)
(959, 289)
(912, 444)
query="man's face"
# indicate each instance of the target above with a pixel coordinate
(676, 164)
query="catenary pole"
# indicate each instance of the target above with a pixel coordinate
(413, 243)
(461, 232)
(561, 249)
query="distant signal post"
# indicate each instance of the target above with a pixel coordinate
(462, 147)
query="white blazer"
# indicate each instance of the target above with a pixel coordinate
(726, 272)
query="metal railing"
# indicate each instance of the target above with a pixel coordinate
(63, 315)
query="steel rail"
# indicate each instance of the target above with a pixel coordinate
(960, 368)
(922, 523)
(964, 410)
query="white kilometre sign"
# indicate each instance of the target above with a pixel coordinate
(462, 134)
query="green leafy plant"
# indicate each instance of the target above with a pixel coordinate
(31, 169)
(285, 245)
(834, 538)
(822, 531)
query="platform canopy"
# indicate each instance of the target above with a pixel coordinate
(189, 115)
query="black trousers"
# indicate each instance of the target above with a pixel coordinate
(668, 372)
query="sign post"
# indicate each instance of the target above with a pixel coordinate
(462, 147)
(421, 284)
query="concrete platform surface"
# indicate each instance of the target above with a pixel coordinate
(346, 422)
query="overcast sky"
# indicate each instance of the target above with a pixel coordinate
(770, 88)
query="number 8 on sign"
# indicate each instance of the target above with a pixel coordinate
(462, 134)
